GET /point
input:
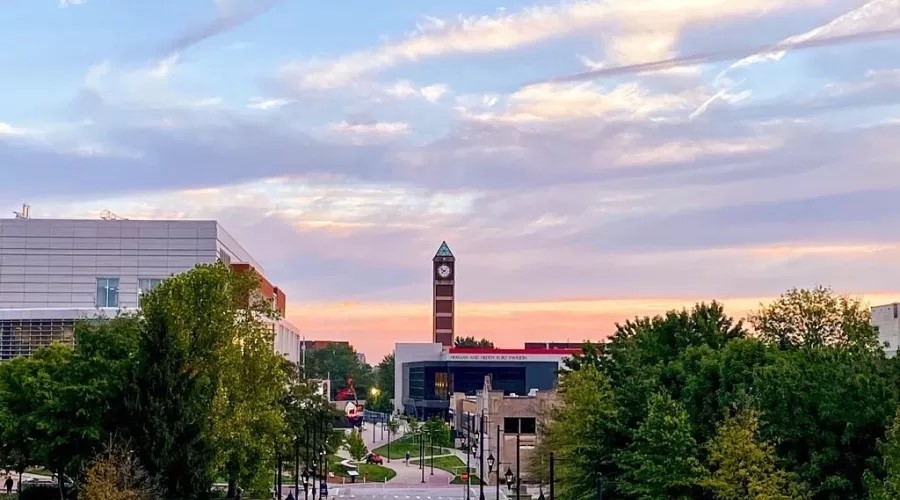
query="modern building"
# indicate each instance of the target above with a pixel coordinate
(553, 345)
(887, 319)
(55, 271)
(426, 375)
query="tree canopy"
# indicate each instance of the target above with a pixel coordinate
(190, 390)
(472, 342)
(806, 394)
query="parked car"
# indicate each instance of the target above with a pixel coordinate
(374, 458)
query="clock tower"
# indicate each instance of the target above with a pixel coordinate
(443, 272)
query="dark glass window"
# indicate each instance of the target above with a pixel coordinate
(528, 425)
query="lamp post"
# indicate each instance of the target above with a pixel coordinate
(552, 475)
(509, 478)
(390, 428)
(499, 457)
(468, 447)
(305, 482)
(490, 461)
(518, 472)
(481, 457)
(296, 467)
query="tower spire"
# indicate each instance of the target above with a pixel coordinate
(444, 250)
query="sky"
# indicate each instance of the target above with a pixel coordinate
(587, 161)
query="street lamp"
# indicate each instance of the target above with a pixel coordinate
(490, 461)
(305, 477)
(509, 478)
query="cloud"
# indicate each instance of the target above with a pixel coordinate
(378, 128)
(261, 104)
(232, 14)
(637, 32)
(404, 89)
(873, 17)
(68, 3)
(163, 68)
(8, 130)
(572, 101)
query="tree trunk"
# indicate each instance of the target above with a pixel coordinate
(232, 487)
(232, 484)
(19, 484)
(62, 487)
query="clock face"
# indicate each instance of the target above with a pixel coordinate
(444, 271)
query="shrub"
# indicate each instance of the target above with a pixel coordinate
(116, 475)
(39, 492)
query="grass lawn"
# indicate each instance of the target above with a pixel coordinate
(372, 472)
(407, 443)
(473, 480)
(452, 464)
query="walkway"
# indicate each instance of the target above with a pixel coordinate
(406, 474)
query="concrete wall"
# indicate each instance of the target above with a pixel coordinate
(49, 268)
(887, 319)
(407, 353)
(56, 263)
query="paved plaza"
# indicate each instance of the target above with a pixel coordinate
(388, 492)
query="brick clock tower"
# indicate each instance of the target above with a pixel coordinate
(444, 274)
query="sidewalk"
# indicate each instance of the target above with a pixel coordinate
(406, 474)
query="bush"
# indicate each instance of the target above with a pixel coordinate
(39, 492)
(116, 475)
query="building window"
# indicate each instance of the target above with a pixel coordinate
(107, 292)
(517, 425)
(528, 425)
(147, 284)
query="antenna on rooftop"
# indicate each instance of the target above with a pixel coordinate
(107, 215)
(25, 213)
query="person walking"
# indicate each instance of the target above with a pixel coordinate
(9, 485)
(407, 459)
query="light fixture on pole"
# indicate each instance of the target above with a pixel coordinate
(509, 478)
(490, 462)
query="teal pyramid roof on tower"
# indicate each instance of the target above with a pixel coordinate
(444, 251)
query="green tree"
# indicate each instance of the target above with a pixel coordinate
(384, 376)
(660, 463)
(744, 467)
(815, 318)
(473, 342)
(825, 409)
(356, 446)
(193, 323)
(438, 432)
(889, 487)
(247, 413)
(19, 429)
(308, 414)
(581, 434)
(338, 363)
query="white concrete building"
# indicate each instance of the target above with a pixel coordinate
(887, 319)
(54, 271)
